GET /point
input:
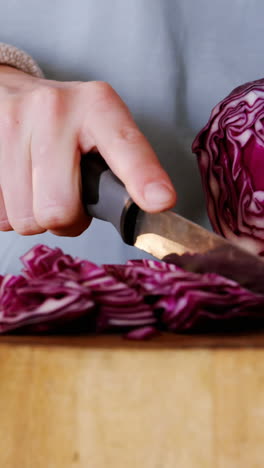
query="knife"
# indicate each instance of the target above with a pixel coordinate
(163, 234)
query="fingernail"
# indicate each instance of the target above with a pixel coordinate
(158, 194)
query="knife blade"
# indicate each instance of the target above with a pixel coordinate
(160, 234)
(167, 233)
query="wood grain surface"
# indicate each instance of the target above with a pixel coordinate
(173, 402)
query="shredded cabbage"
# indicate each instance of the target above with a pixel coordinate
(139, 299)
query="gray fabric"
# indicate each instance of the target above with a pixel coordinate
(170, 60)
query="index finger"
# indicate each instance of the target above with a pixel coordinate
(126, 150)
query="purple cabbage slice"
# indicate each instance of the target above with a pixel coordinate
(56, 292)
(230, 151)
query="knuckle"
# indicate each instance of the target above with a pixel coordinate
(130, 134)
(102, 95)
(48, 100)
(102, 87)
(5, 225)
(74, 230)
(53, 218)
(26, 226)
(9, 119)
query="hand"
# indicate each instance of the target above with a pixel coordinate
(44, 127)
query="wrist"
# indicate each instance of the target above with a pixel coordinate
(8, 73)
(8, 70)
(16, 80)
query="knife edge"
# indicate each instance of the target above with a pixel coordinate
(169, 232)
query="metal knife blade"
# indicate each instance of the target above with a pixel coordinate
(168, 236)
(163, 234)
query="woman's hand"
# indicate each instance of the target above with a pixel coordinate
(44, 127)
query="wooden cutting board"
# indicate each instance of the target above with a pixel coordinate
(174, 402)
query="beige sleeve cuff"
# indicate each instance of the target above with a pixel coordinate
(10, 55)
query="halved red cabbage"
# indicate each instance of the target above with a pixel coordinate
(230, 150)
(140, 298)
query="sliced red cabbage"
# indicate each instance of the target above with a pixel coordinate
(230, 150)
(141, 298)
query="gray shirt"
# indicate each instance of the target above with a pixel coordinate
(170, 60)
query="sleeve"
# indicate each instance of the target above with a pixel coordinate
(17, 58)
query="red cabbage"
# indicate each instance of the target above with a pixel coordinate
(230, 150)
(56, 292)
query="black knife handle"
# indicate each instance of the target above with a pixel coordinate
(105, 197)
